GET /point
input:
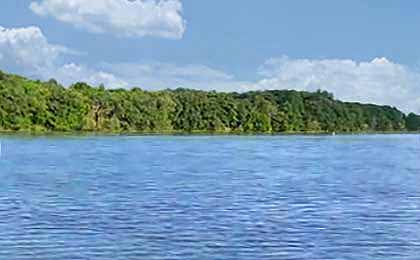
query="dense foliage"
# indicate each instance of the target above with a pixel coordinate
(47, 106)
(413, 122)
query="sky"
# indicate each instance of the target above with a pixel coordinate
(365, 51)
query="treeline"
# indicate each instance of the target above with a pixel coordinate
(27, 105)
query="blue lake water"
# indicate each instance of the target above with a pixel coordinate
(280, 197)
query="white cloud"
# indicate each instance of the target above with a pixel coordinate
(378, 81)
(161, 18)
(157, 75)
(27, 49)
(71, 73)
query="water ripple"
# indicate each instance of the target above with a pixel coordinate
(339, 197)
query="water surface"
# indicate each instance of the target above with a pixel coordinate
(280, 197)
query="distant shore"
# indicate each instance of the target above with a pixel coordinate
(47, 107)
(196, 133)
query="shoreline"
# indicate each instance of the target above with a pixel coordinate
(192, 133)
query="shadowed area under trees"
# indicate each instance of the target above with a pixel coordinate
(28, 105)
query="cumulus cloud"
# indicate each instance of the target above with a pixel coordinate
(379, 81)
(135, 18)
(28, 49)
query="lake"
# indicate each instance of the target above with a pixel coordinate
(210, 197)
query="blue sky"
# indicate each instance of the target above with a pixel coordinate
(364, 51)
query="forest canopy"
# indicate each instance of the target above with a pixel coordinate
(28, 105)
